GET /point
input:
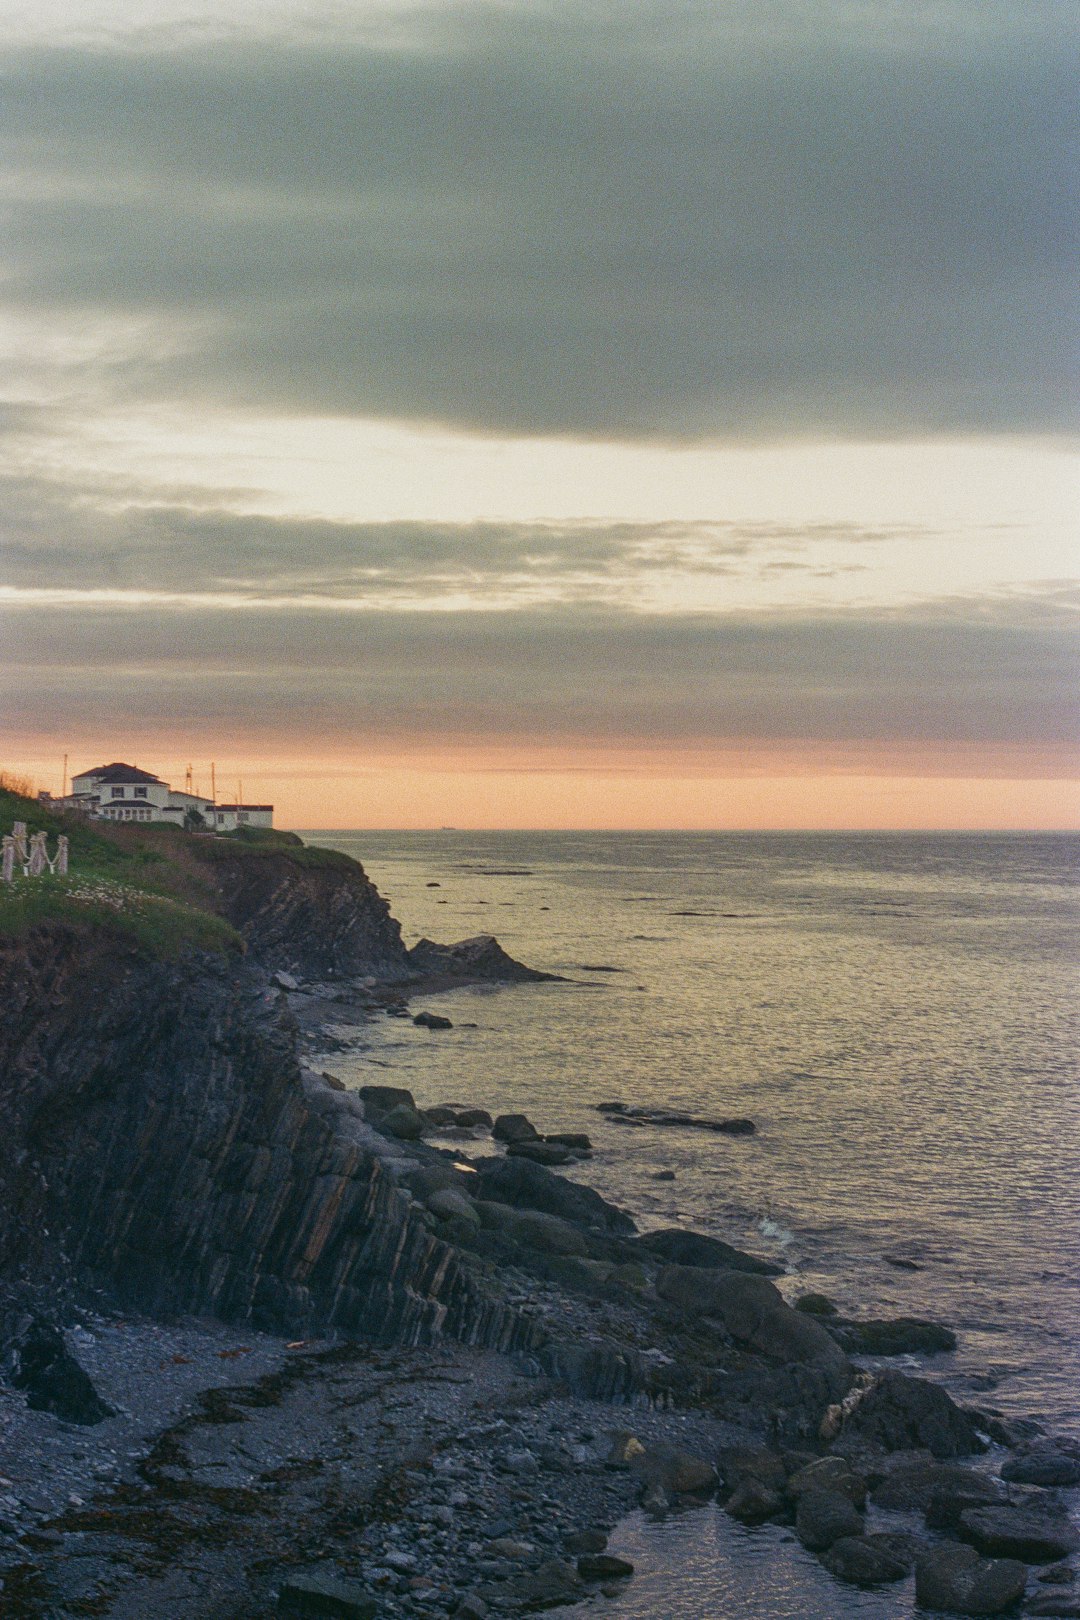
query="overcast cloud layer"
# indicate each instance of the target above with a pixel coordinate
(593, 220)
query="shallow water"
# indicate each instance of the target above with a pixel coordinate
(896, 1012)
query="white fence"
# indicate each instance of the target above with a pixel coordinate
(29, 856)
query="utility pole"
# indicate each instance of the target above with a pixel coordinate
(64, 793)
(213, 782)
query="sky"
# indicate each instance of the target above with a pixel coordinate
(607, 414)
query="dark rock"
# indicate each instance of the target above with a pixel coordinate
(326, 1595)
(864, 1561)
(571, 1139)
(631, 1114)
(901, 1413)
(815, 1305)
(914, 1485)
(1016, 1532)
(481, 957)
(53, 1380)
(753, 1502)
(1057, 1575)
(439, 1118)
(547, 1153)
(664, 1175)
(379, 1100)
(680, 1248)
(403, 1122)
(828, 1474)
(585, 1541)
(1047, 1463)
(472, 1607)
(603, 1567)
(824, 1516)
(529, 1186)
(677, 1472)
(953, 1577)
(1061, 1605)
(533, 1229)
(551, 1586)
(430, 1020)
(472, 1119)
(905, 1335)
(514, 1128)
(754, 1313)
(738, 1464)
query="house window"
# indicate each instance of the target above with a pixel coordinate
(140, 793)
(118, 793)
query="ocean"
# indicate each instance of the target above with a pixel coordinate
(897, 1013)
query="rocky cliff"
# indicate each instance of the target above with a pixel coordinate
(161, 1144)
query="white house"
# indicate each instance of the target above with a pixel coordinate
(120, 792)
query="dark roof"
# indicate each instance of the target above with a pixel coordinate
(119, 773)
(243, 807)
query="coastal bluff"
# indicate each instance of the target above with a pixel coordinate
(162, 1148)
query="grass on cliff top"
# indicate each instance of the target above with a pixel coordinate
(114, 883)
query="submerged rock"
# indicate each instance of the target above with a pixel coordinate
(865, 1560)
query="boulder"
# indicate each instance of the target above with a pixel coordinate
(1018, 1532)
(381, 1099)
(467, 1119)
(450, 1205)
(585, 1541)
(430, 1020)
(440, 1118)
(514, 1128)
(901, 1413)
(738, 1464)
(403, 1122)
(823, 1516)
(828, 1474)
(326, 1595)
(552, 1586)
(815, 1305)
(530, 1186)
(953, 1577)
(546, 1153)
(53, 1380)
(864, 1560)
(753, 1312)
(903, 1335)
(753, 1502)
(603, 1567)
(911, 1487)
(676, 1472)
(1047, 1463)
(679, 1248)
(532, 1229)
(571, 1139)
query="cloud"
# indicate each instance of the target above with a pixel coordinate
(565, 220)
(988, 671)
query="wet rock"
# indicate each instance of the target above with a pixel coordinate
(680, 1248)
(403, 1122)
(326, 1595)
(901, 1413)
(603, 1567)
(440, 1117)
(904, 1335)
(1016, 1532)
(664, 1175)
(481, 957)
(754, 1313)
(824, 1516)
(914, 1485)
(753, 1502)
(740, 1463)
(1048, 1463)
(552, 1586)
(450, 1205)
(953, 1577)
(571, 1139)
(530, 1186)
(1063, 1605)
(1057, 1575)
(815, 1305)
(585, 1541)
(53, 1380)
(864, 1561)
(514, 1128)
(677, 1472)
(630, 1114)
(546, 1153)
(467, 1119)
(379, 1100)
(828, 1474)
(430, 1020)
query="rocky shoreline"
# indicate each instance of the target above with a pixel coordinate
(396, 1364)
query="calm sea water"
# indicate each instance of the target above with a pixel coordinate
(897, 1013)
